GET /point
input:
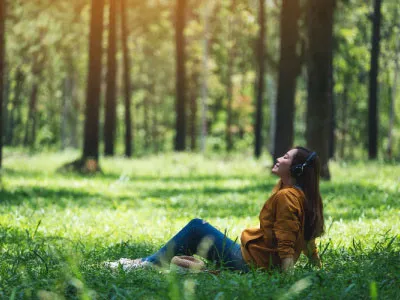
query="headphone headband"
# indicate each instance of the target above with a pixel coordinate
(298, 170)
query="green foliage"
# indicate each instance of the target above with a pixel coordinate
(47, 43)
(56, 229)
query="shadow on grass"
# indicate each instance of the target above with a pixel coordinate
(352, 201)
(347, 201)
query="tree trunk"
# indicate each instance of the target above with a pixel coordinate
(2, 70)
(332, 117)
(91, 130)
(127, 82)
(29, 139)
(204, 86)
(13, 119)
(193, 111)
(289, 69)
(260, 81)
(110, 105)
(180, 106)
(345, 128)
(146, 119)
(389, 150)
(373, 84)
(66, 100)
(320, 31)
(229, 84)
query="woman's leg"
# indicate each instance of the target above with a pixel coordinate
(199, 237)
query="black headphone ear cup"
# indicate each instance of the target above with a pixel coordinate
(296, 170)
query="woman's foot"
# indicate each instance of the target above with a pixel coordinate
(128, 264)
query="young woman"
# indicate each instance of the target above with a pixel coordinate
(290, 220)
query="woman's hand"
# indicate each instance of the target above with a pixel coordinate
(287, 264)
(315, 260)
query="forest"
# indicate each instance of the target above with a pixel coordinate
(120, 116)
(143, 77)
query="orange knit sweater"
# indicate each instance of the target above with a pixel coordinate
(280, 234)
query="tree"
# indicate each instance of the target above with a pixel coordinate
(260, 80)
(373, 83)
(229, 75)
(320, 31)
(91, 130)
(127, 81)
(180, 104)
(289, 69)
(2, 67)
(110, 103)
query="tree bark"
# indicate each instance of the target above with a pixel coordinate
(345, 127)
(373, 83)
(180, 107)
(2, 71)
(320, 31)
(91, 130)
(127, 83)
(13, 119)
(204, 85)
(331, 101)
(193, 110)
(260, 81)
(110, 105)
(30, 127)
(389, 150)
(289, 69)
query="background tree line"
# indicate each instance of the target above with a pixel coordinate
(136, 77)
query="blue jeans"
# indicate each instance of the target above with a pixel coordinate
(199, 237)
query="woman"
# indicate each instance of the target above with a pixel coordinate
(290, 220)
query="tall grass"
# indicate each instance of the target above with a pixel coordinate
(57, 228)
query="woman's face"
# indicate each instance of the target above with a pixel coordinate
(282, 165)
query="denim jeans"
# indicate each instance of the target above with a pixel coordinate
(199, 237)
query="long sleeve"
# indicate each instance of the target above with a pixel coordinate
(287, 224)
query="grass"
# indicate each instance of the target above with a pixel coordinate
(56, 229)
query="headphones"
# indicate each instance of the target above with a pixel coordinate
(297, 170)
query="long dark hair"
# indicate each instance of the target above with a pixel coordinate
(309, 182)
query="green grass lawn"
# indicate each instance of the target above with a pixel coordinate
(56, 229)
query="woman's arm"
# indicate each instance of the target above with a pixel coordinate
(286, 228)
(311, 252)
(287, 264)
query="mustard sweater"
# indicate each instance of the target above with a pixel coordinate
(281, 231)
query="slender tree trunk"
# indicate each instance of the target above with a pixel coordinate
(146, 119)
(260, 81)
(204, 86)
(2, 71)
(66, 100)
(193, 111)
(29, 138)
(15, 108)
(229, 87)
(289, 69)
(229, 84)
(345, 128)
(110, 105)
(127, 82)
(332, 117)
(180, 126)
(373, 83)
(389, 149)
(154, 118)
(91, 130)
(74, 111)
(320, 33)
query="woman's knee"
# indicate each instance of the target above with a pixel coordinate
(197, 222)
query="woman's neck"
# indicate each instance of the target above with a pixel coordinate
(289, 181)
